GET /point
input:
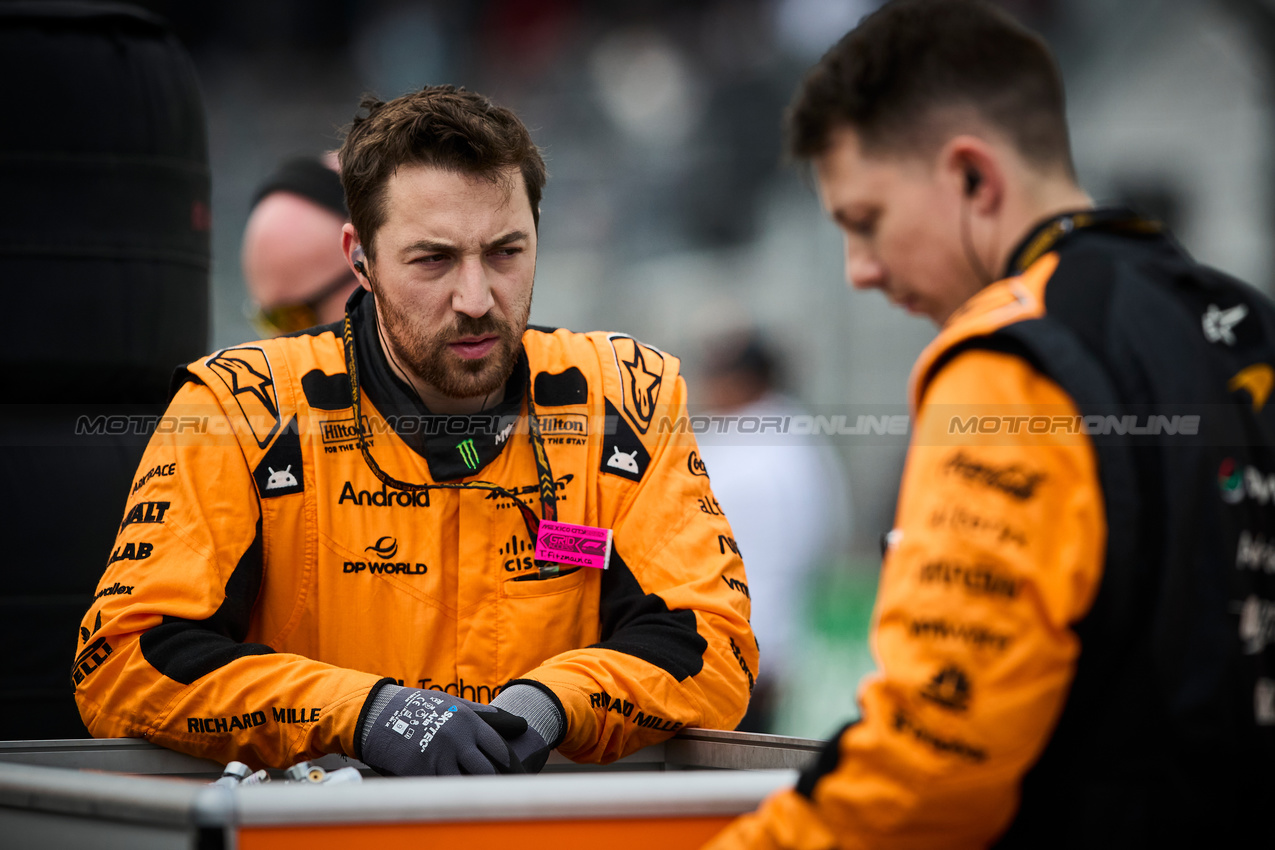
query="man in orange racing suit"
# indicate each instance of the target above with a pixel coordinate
(331, 543)
(1076, 610)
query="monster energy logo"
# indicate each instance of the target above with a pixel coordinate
(468, 453)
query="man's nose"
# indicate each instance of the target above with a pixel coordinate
(863, 271)
(472, 295)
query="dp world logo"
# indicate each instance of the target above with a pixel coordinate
(386, 547)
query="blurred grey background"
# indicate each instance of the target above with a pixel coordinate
(668, 213)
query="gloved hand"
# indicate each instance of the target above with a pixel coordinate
(546, 721)
(414, 732)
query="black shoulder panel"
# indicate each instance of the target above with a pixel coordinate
(829, 758)
(279, 473)
(181, 377)
(622, 451)
(563, 388)
(327, 392)
(641, 624)
(334, 328)
(186, 650)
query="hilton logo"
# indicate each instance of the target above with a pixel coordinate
(342, 430)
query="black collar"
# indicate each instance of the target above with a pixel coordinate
(454, 446)
(1047, 235)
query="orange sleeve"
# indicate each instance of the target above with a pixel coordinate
(997, 551)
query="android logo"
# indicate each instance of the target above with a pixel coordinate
(626, 461)
(282, 478)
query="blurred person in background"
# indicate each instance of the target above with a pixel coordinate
(1075, 625)
(349, 563)
(786, 496)
(293, 267)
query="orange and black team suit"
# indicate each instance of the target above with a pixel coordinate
(1073, 618)
(265, 578)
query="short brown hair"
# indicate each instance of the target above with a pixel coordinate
(440, 126)
(889, 76)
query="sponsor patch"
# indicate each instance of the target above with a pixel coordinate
(949, 688)
(1256, 380)
(131, 552)
(89, 660)
(383, 498)
(1014, 480)
(384, 551)
(975, 579)
(1219, 325)
(516, 555)
(337, 431)
(950, 746)
(279, 473)
(116, 589)
(145, 512)
(630, 712)
(246, 373)
(622, 451)
(976, 636)
(696, 466)
(163, 470)
(641, 370)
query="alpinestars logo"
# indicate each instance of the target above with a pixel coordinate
(641, 374)
(468, 453)
(1219, 325)
(246, 373)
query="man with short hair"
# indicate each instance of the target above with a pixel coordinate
(292, 263)
(1073, 625)
(426, 536)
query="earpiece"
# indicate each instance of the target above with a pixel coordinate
(973, 179)
(358, 257)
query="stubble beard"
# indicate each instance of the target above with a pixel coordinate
(428, 357)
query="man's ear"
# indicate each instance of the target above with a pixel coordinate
(974, 171)
(355, 256)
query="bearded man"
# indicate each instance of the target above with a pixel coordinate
(332, 542)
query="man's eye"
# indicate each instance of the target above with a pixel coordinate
(506, 252)
(861, 226)
(431, 259)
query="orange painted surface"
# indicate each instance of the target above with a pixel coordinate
(615, 834)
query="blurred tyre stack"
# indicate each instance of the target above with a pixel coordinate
(104, 263)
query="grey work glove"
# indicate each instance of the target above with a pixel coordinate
(414, 732)
(546, 721)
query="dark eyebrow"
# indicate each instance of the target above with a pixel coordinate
(512, 236)
(429, 246)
